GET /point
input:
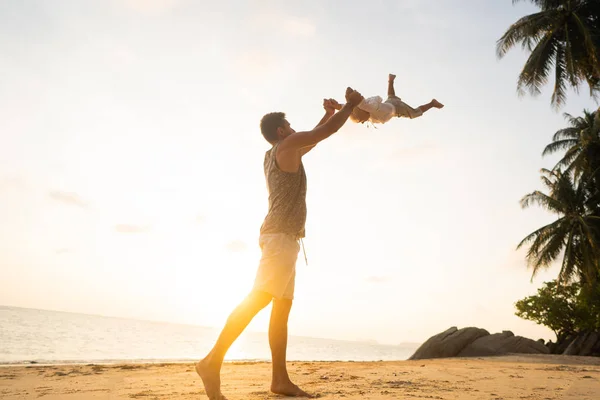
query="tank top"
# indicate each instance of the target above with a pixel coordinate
(287, 198)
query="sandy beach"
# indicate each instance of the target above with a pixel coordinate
(498, 378)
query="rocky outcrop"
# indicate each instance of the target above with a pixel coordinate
(503, 343)
(581, 344)
(584, 344)
(476, 342)
(560, 346)
(448, 343)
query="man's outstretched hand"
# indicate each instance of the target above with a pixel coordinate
(329, 106)
(353, 97)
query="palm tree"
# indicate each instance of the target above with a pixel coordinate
(581, 142)
(564, 34)
(574, 232)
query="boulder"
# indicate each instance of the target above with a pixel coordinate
(561, 345)
(476, 342)
(448, 343)
(502, 343)
(584, 344)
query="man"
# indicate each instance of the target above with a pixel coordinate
(280, 232)
(377, 111)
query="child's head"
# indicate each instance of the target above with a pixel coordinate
(359, 116)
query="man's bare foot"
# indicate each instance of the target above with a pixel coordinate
(288, 389)
(211, 378)
(436, 104)
(391, 77)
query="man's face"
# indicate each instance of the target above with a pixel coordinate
(286, 130)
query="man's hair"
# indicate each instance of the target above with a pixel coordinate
(269, 124)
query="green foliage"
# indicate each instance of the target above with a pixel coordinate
(589, 302)
(554, 307)
(573, 194)
(571, 303)
(565, 309)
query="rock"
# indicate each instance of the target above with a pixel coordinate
(503, 343)
(584, 344)
(448, 343)
(476, 342)
(561, 345)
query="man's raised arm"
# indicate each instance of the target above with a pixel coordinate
(328, 105)
(309, 138)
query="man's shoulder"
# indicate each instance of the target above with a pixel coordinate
(271, 150)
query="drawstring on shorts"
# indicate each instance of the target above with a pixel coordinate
(304, 251)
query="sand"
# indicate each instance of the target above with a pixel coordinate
(496, 378)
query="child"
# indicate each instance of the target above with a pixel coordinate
(375, 110)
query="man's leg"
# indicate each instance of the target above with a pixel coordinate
(209, 368)
(278, 334)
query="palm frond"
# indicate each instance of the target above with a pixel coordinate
(544, 201)
(537, 68)
(569, 259)
(569, 158)
(550, 251)
(566, 133)
(572, 67)
(559, 95)
(555, 146)
(540, 234)
(531, 27)
(589, 44)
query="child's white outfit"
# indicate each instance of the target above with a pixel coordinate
(382, 111)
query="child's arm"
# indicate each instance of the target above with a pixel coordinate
(369, 104)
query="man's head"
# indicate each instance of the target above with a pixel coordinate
(359, 116)
(274, 127)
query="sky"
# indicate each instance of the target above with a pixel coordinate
(131, 177)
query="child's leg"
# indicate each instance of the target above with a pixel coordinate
(404, 110)
(391, 91)
(433, 103)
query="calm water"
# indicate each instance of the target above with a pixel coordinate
(56, 337)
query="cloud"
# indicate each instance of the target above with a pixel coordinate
(299, 27)
(279, 22)
(127, 228)
(255, 64)
(69, 198)
(11, 183)
(151, 7)
(236, 246)
(412, 153)
(378, 279)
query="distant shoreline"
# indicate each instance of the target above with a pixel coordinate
(212, 328)
(516, 358)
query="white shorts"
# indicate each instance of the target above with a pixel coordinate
(403, 109)
(276, 273)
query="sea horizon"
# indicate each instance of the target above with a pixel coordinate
(41, 336)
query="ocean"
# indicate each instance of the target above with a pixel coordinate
(54, 337)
